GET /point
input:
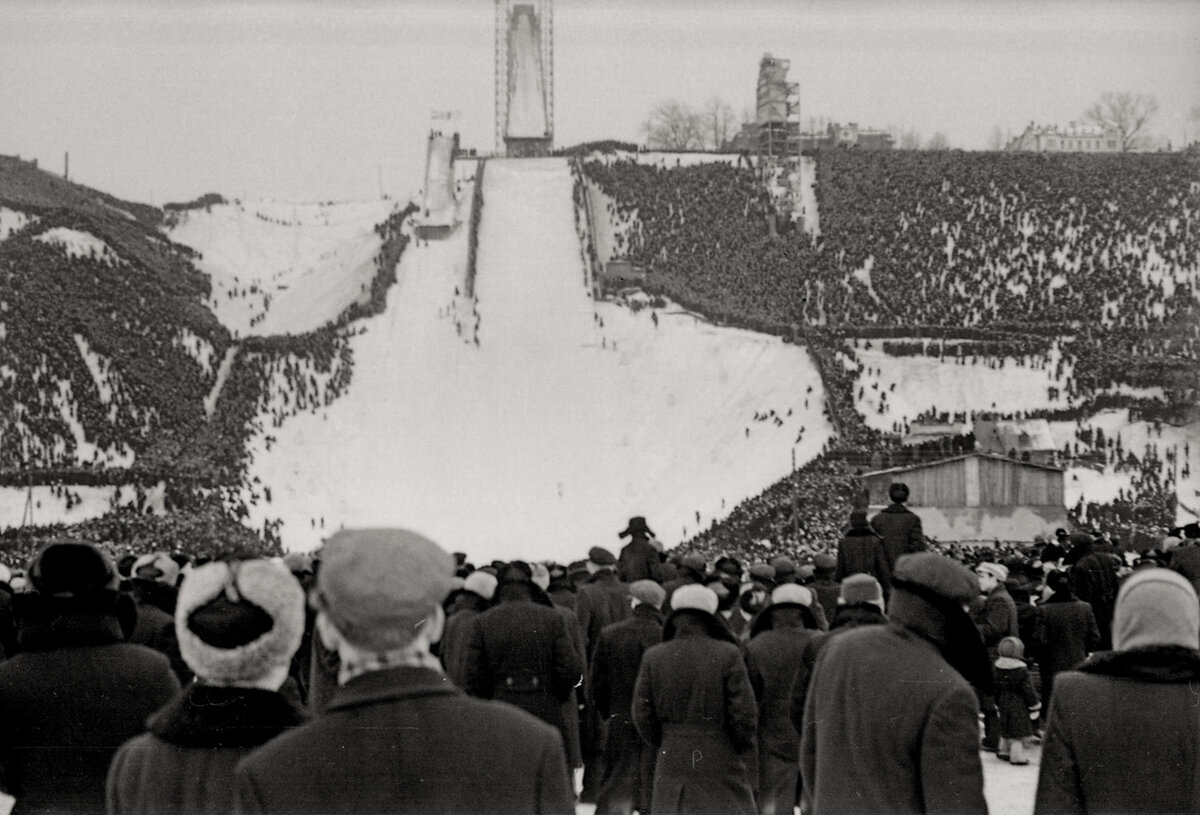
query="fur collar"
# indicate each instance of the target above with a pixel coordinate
(1155, 663)
(218, 717)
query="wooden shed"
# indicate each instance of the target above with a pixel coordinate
(977, 497)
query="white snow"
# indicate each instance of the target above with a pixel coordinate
(49, 505)
(197, 348)
(75, 242)
(546, 437)
(12, 220)
(280, 268)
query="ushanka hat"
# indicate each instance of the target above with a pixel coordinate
(238, 620)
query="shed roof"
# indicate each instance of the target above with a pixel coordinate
(942, 461)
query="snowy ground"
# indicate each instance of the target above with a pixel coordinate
(568, 417)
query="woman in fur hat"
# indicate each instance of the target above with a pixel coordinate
(1123, 734)
(238, 625)
(694, 703)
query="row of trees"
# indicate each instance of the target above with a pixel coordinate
(677, 126)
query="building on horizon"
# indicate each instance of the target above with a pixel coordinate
(1074, 138)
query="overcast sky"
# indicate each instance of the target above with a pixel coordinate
(321, 100)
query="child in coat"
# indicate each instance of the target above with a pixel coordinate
(1016, 698)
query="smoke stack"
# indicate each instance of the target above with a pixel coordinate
(67, 166)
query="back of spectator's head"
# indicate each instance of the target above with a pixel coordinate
(379, 587)
(240, 622)
(860, 588)
(785, 569)
(1156, 607)
(647, 592)
(71, 569)
(729, 565)
(898, 492)
(1191, 531)
(481, 583)
(156, 567)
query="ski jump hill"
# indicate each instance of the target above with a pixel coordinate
(533, 421)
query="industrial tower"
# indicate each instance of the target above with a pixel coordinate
(524, 77)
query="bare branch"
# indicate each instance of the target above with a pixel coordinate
(1125, 112)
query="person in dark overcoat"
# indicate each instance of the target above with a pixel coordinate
(474, 598)
(861, 551)
(690, 570)
(693, 703)
(521, 652)
(153, 588)
(75, 691)
(995, 614)
(572, 705)
(777, 639)
(628, 777)
(1094, 580)
(238, 625)
(639, 559)
(1123, 734)
(890, 721)
(825, 584)
(396, 736)
(899, 527)
(1064, 633)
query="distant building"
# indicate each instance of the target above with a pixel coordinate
(1074, 138)
(977, 497)
(1029, 440)
(924, 432)
(846, 136)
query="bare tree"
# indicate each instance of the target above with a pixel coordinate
(938, 141)
(719, 120)
(673, 125)
(1126, 112)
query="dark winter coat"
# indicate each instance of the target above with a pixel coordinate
(73, 695)
(155, 627)
(185, 764)
(1016, 698)
(693, 701)
(406, 740)
(601, 601)
(900, 529)
(996, 618)
(844, 619)
(1123, 735)
(1064, 635)
(456, 636)
(570, 707)
(1094, 580)
(639, 560)
(628, 776)
(827, 591)
(772, 657)
(862, 552)
(890, 726)
(521, 653)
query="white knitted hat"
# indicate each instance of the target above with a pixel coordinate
(1156, 607)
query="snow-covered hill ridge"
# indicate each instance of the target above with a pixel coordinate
(566, 418)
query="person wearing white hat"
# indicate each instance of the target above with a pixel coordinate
(694, 703)
(1123, 734)
(996, 617)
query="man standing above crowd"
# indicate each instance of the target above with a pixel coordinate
(899, 527)
(639, 559)
(397, 737)
(890, 722)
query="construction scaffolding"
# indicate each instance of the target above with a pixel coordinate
(524, 89)
(778, 110)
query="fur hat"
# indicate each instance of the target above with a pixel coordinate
(298, 562)
(601, 557)
(860, 588)
(1011, 647)
(694, 561)
(636, 526)
(996, 570)
(858, 519)
(377, 585)
(791, 594)
(648, 592)
(71, 568)
(694, 596)
(936, 574)
(824, 562)
(1156, 607)
(156, 566)
(540, 576)
(480, 583)
(236, 621)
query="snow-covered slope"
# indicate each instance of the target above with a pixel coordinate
(566, 418)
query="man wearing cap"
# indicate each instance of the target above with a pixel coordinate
(691, 571)
(862, 551)
(76, 690)
(628, 775)
(1123, 733)
(996, 617)
(693, 702)
(397, 736)
(778, 637)
(890, 722)
(639, 559)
